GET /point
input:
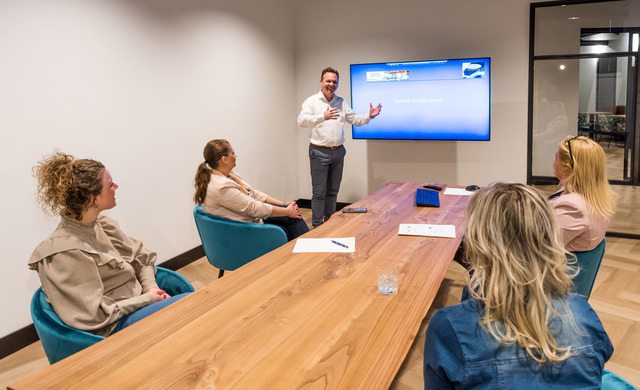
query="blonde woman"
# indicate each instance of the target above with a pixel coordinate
(521, 327)
(585, 202)
(96, 277)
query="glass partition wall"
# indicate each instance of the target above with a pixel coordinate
(583, 80)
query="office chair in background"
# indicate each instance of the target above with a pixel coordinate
(230, 244)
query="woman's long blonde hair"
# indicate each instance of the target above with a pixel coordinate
(515, 248)
(586, 173)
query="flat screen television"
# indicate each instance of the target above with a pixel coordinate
(424, 100)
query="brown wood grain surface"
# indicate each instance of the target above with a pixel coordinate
(287, 320)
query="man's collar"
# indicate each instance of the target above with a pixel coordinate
(323, 98)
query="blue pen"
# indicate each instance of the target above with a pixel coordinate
(339, 243)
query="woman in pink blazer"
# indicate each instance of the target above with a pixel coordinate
(585, 201)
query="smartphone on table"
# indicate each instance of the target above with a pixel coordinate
(354, 210)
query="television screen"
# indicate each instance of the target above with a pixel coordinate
(424, 100)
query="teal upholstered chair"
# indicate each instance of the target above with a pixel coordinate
(230, 244)
(611, 381)
(59, 340)
(589, 263)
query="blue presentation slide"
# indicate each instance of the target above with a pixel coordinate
(444, 99)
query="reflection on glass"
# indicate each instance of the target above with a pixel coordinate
(581, 97)
(557, 27)
(592, 41)
(602, 110)
(555, 109)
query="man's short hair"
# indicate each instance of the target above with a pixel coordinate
(329, 70)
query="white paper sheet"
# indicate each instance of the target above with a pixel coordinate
(421, 229)
(315, 245)
(457, 191)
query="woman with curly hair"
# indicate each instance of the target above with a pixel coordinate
(96, 277)
(520, 326)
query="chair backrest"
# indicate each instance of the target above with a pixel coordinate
(59, 340)
(611, 381)
(172, 282)
(589, 264)
(229, 244)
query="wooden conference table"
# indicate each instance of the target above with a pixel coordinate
(287, 320)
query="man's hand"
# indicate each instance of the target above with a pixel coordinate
(331, 113)
(373, 111)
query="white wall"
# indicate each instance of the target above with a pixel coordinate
(339, 33)
(140, 86)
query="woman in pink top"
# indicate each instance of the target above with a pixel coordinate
(223, 193)
(585, 201)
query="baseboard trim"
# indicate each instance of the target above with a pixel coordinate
(623, 235)
(26, 336)
(17, 340)
(184, 259)
(306, 204)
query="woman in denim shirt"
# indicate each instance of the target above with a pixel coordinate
(520, 327)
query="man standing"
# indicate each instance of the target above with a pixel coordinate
(326, 114)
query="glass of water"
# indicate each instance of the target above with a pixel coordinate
(387, 280)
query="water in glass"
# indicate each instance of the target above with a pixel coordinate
(388, 283)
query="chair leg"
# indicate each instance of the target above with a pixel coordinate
(220, 274)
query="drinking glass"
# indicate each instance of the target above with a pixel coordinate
(387, 280)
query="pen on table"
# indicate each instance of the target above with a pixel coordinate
(339, 243)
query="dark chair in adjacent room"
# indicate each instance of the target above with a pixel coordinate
(230, 244)
(585, 127)
(589, 264)
(612, 127)
(60, 340)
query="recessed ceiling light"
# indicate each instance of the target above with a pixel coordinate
(562, 67)
(574, 17)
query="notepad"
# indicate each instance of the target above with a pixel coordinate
(426, 230)
(317, 245)
(457, 191)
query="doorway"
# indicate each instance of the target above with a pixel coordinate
(584, 81)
